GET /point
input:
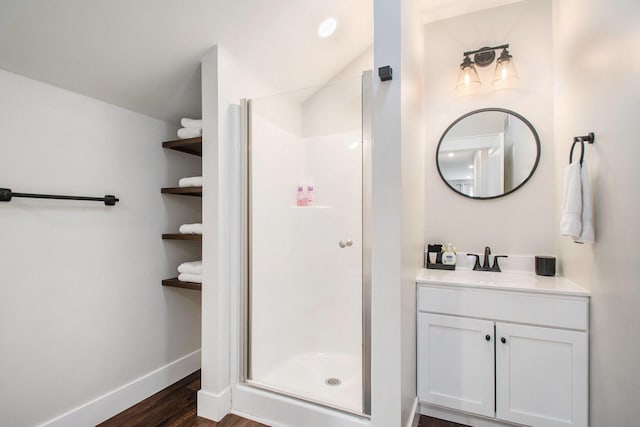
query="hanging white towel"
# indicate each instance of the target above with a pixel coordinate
(191, 123)
(192, 181)
(587, 234)
(190, 228)
(186, 277)
(570, 221)
(185, 133)
(191, 267)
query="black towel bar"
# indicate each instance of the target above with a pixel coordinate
(6, 195)
(589, 139)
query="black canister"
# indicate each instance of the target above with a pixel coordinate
(545, 265)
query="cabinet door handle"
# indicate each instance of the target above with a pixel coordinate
(487, 337)
(503, 340)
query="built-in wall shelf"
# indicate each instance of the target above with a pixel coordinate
(189, 145)
(175, 283)
(184, 191)
(180, 236)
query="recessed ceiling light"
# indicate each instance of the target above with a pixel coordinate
(327, 27)
(470, 166)
(451, 154)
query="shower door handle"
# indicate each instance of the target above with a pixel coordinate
(344, 243)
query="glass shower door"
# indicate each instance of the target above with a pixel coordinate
(305, 275)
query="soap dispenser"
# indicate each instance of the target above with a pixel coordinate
(449, 255)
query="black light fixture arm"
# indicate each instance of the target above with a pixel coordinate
(485, 49)
(6, 195)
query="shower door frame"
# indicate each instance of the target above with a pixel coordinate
(245, 285)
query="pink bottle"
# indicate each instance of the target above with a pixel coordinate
(301, 200)
(310, 195)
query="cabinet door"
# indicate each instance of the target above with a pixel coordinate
(541, 376)
(456, 363)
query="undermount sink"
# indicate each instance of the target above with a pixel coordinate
(508, 280)
(493, 277)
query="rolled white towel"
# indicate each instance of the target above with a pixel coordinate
(570, 220)
(186, 277)
(191, 228)
(587, 235)
(191, 267)
(191, 123)
(192, 181)
(186, 133)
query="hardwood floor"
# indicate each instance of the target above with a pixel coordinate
(175, 406)
(434, 422)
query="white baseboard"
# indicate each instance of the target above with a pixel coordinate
(414, 415)
(461, 417)
(214, 406)
(116, 401)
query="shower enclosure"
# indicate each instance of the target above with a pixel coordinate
(306, 299)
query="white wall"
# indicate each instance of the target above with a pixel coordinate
(413, 176)
(386, 221)
(597, 90)
(521, 223)
(320, 110)
(397, 210)
(225, 81)
(82, 310)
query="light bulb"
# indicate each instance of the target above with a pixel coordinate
(505, 70)
(468, 76)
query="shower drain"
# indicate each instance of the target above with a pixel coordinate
(333, 381)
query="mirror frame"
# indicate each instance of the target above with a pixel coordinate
(481, 110)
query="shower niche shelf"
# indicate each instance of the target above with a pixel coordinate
(189, 146)
(192, 146)
(175, 283)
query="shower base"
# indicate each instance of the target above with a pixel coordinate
(332, 379)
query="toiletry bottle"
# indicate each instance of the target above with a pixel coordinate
(310, 195)
(449, 255)
(301, 200)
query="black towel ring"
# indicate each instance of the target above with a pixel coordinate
(590, 139)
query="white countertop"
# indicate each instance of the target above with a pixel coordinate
(508, 280)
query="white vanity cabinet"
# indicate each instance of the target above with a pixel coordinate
(541, 375)
(456, 363)
(511, 353)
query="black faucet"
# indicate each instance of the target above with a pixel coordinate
(485, 265)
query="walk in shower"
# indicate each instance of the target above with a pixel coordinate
(306, 299)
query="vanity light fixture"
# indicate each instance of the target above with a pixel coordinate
(483, 57)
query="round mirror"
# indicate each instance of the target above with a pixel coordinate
(488, 153)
